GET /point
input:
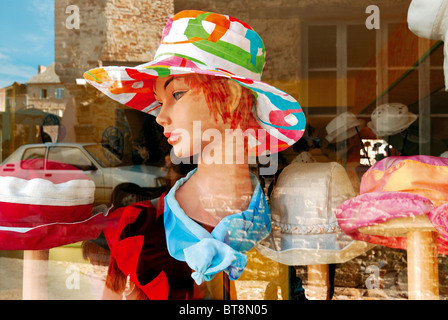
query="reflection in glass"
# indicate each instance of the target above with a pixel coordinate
(322, 46)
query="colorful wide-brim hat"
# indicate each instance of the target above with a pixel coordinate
(305, 229)
(429, 19)
(343, 127)
(391, 118)
(40, 211)
(210, 44)
(399, 187)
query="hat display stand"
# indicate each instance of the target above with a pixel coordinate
(402, 205)
(35, 274)
(318, 282)
(421, 249)
(305, 231)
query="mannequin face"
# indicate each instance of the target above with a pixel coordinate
(184, 115)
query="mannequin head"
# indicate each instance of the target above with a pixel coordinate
(195, 106)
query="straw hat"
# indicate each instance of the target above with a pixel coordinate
(210, 44)
(390, 118)
(343, 127)
(305, 230)
(429, 19)
(40, 210)
(399, 187)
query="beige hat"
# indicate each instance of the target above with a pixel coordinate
(343, 127)
(305, 230)
(429, 19)
(391, 118)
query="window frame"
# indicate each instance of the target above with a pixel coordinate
(424, 68)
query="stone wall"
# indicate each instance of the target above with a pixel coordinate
(110, 32)
(51, 103)
(134, 29)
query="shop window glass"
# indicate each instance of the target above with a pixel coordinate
(322, 88)
(71, 156)
(322, 47)
(361, 47)
(321, 53)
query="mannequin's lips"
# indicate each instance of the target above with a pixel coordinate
(172, 137)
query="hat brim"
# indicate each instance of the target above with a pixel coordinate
(438, 219)
(51, 235)
(411, 118)
(312, 249)
(342, 134)
(370, 209)
(276, 111)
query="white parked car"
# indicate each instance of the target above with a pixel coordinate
(114, 183)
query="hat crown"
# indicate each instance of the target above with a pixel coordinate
(308, 193)
(391, 114)
(420, 174)
(215, 41)
(428, 19)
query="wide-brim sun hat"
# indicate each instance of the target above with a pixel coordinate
(198, 42)
(419, 174)
(39, 210)
(305, 229)
(429, 20)
(409, 187)
(390, 118)
(343, 127)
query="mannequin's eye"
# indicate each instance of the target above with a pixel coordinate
(179, 94)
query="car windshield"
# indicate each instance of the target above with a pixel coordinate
(103, 156)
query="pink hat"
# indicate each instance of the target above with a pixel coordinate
(399, 187)
(39, 210)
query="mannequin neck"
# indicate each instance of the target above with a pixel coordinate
(215, 191)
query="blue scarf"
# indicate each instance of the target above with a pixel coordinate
(221, 250)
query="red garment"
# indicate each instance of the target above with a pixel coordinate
(139, 248)
(46, 204)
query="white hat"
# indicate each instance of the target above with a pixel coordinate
(390, 118)
(343, 127)
(305, 230)
(429, 19)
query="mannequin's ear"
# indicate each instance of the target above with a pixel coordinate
(234, 95)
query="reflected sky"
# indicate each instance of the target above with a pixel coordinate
(26, 38)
